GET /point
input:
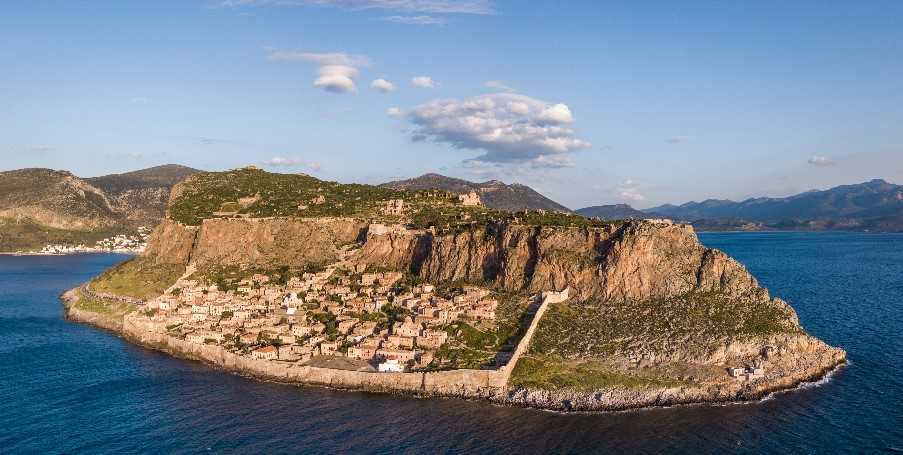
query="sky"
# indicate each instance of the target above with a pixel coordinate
(589, 102)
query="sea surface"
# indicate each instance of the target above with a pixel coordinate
(69, 388)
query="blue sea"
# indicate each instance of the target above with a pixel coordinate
(68, 388)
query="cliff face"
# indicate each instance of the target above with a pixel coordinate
(634, 261)
(258, 242)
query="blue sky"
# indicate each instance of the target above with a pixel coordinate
(589, 102)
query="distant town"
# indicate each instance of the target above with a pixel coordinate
(123, 243)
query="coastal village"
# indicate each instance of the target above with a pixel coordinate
(123, 243)
(343, 316)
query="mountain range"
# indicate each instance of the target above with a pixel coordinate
(39, 206)
(612, 212)
(875, 205)
(494, 194)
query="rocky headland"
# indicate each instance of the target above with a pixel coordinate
(651, 318)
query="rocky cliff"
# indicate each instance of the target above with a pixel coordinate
(253, 242)
(636, 260)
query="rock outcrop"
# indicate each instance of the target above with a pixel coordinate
(257, 242)
(637, 260)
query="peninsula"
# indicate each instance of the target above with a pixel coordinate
(426, 292)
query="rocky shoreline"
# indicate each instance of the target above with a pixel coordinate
(482, 385)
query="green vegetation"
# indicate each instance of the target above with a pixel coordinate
(694, 320)
(113, 309)
(550, 372)
(256, 193)
(472, 344)
(138, 277)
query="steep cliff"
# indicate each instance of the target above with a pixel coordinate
(252, 242)
(636, 260)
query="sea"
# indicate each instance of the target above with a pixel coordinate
(70, 388)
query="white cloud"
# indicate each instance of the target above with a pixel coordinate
(383, 85)
(394, 112)
(281, 161)
(499, 85)
(415, 20)
(406, 6)
(630, 191)
(337, 71)
(555, 114)
(817, 160)
(507, 127)
(423, 82)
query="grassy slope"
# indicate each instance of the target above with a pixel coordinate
(589, 331)
(138, 277)
(109, 309)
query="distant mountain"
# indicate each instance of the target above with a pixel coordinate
(494, 194)
(612, 212)
(873, 205)
(42, 205)
(141, 196)
(55, 199)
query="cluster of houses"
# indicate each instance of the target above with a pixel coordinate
(127, 244)
(369, 318)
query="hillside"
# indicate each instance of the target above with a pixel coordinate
(650, 316)
(873, 205)
(493, 193)
(55, 199)
(43, 206)
(613, 212)
(141, 196)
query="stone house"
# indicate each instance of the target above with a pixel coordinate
(265, 353)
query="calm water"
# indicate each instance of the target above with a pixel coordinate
(69, 388)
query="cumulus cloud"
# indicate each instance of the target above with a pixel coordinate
(280, 161)
(284, 162)
(394, 112)
(415, 20)
(630, 191)
(818, 160)
(383, 85)
(423, 82)
(507, 127)
(336, 73)
(405, 6)
(499, 85)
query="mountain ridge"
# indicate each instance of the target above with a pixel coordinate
(494, 193)
(40, 206)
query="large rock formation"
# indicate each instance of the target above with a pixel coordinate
(637, 260)
(253, 242)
